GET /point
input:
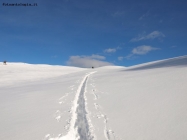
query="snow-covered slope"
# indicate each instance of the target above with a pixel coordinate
(21, 72)
(142, 102)
(172, 62)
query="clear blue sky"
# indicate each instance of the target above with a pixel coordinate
(82, 32)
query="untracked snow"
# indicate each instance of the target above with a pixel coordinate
(143, 102)
(21, 72)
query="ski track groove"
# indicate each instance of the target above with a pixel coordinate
(82, 121)
(79, 124)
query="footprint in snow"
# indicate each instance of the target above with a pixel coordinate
(96, 106)
(100, 116)
(58, 115)
(62, 99)
(58, 118)
(95, 95)
(67, 125)
(60, 102)
(47, 137)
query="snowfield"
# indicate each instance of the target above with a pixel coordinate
(21, 72)
(142, 102)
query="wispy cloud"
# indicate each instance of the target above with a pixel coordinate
(144, 15)
(120, 58)
(118, 13)
(112, 50)
(140, 50)
(130, 56)
(87, 61)
(153, 35)
(95, 56)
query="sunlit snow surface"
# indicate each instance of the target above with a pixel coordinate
(21, 72)
(143, 102)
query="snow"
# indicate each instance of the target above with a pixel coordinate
(21, 72)
(143, 102)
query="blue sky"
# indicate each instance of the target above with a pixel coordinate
(93, 32)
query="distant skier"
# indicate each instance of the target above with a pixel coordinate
(4, 62)
(92, 67)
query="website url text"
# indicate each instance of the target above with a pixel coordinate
(19, 4)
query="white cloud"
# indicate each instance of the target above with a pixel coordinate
(153, 35)
(111, 50)
(87, 61)
(130, 56)
(120, 58)
(141, 50)
(95, 56)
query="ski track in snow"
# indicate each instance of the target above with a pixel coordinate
(82, 121)
(108, 133)
(79, 124)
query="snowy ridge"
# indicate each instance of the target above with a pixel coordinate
(149, 103)
(171, 62)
